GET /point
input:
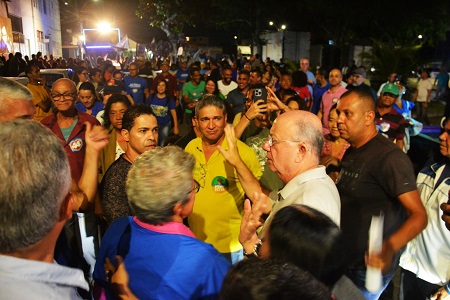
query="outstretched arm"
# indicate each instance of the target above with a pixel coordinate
(255, 109)
(249, 182)
(416, 221)
(85, 191)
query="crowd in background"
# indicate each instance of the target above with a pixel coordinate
(231, 117)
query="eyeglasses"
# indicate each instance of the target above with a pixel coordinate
(204, 170)
(356, 75)
(57, 97)
(390, 95)
(84, 73)
(272, 142)
(196, 186)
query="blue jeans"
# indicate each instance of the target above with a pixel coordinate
(234, 257)
(359, 279)
(163, 133)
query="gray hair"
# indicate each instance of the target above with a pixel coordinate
(158, 180)
(304, 131)
(11, 90)
(210, 100)
(34, 181)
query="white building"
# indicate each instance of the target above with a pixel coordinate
(34, 26)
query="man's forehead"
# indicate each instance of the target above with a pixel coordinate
(335, 73)
(63, 86)
(210, 111)
(145, 121)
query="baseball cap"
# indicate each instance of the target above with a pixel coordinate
(390, 88)
(360, 72)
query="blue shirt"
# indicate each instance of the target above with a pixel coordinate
(442, 79)
(135, 87)
(163, 262)
(318, 91)
(182, 75)
(98, 106)
(161, 107)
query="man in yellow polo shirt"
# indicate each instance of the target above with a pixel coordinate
(41, 94)
(219, 205)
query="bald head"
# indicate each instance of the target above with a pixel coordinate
(303, 126)
(15, 101)
(66, 82)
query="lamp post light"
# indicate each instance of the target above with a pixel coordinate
(282, 29)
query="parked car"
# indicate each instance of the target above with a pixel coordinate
(51, 75)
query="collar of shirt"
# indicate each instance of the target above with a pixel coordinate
(168, 228)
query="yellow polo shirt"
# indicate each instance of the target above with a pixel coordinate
(39, 94)
(219, 205)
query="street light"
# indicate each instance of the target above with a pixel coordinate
(283, 26)
(282, 29)
(104, 26)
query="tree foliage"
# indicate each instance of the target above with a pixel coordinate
(394, 22)
(385, 58)
(171, 15)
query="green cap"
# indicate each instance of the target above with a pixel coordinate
(390, 88)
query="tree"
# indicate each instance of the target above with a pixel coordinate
(171, 15)
(249, 17)
(387, 58)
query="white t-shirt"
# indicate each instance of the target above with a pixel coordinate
(422, 89)
(225, 89)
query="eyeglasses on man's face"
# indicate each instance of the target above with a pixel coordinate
(196, 187)
(271, 141)
(66, 96)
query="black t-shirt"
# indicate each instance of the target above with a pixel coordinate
(113, 192)
(370, 180)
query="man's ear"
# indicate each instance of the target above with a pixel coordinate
(300, 153)
(177, 209)
(125, 135)
(65, 212)
(370, 117)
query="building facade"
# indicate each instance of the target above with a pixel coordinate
(34, 27)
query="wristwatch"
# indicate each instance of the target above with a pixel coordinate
(255, 252)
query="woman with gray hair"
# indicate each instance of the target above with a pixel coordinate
(163, 258)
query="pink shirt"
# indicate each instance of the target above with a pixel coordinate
(328, 100)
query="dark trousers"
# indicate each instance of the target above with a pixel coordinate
(413, 288)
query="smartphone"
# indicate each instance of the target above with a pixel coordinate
(260, 93)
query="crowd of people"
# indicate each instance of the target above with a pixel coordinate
(217, 180)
